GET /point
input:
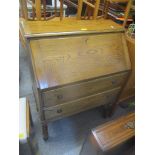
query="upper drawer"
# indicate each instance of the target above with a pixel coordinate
(72, 92)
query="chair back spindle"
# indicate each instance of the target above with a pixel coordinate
(90, 6)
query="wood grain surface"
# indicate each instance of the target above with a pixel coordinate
(67, 26)
(65, 60)
(114, 133)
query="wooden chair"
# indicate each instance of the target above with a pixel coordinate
(39, 9)
(129, 5)
(94, 6)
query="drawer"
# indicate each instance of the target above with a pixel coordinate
(76, 106)
(72, 92)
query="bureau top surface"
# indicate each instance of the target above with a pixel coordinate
(64, 60)
(114, 133)
(67, 26)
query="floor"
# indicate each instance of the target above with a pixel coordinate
(67, 135)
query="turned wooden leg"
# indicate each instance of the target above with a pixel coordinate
(45, 131)
(110, 110)
(36, 106)
(107, 110)
(35, 99)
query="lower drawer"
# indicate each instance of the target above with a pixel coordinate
(76, 106)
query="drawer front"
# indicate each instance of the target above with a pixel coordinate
(72, 92)
(56, 112)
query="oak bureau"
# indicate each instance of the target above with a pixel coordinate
(76, 65)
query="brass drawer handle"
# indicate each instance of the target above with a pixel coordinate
(59, 111)
(59, 97)
(113, 82)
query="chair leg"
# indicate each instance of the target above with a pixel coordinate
(106, 8)
(127, 11)
(80, 3)
(97, 3)
(107, 110)
(61, 9)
